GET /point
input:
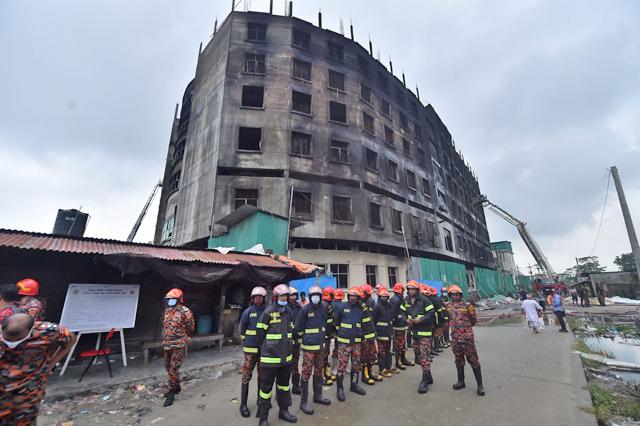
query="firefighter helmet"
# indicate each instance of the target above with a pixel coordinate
(280, 290)
(315, 290)
(339, 294)
(293, 290)
(28, 287)
(398, 288)
(175, 293)
(328, 293)
(413, 284)
(455, 289)
(258, 291)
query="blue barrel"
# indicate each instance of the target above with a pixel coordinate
(204, 325)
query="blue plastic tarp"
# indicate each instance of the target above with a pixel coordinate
(306, 283)
(435, 284)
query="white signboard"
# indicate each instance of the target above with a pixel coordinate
(100, 307)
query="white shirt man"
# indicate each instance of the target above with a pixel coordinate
(531, 308)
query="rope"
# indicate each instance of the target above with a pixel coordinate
(604, 205)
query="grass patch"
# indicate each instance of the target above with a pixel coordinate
(628, 330)
(607, 404)
(581, 346)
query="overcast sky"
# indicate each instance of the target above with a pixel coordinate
(541, 97)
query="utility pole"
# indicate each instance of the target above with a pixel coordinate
(633, 239)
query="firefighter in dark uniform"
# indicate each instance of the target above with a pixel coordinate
(399, 315)
(311, 324)
(420, 318)
(295, 373)
(348, 320)
(250, 347)
(338, 300)
(369, 353)
(441, 317)
(327, 299)
(275, 337)
(384, 331)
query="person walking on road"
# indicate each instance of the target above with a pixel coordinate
(462, 316)
(558, 310)
(399, 316)
(177, 325)
(601, 296)
(250, 348)
(29, 290)
(574, 296)
(295, 373)
(28, 352)
(275, 337)
(420, 319)
(349, 333)
(532, 310)
(310, 324)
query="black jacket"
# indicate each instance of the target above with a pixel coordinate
(311, 324)
(422, 310)
(398, 312)
(349, 323)
(382, 320)
(248, 330)
(275, 336)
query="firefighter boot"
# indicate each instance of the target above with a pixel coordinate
(355, 387)
(389, 363)
(285, 415)
(366, 379)
(405, 361)
(263, 413)
(328, 380)
(478, 374)
(399, 364)
(304, 399)
(437, 346)
(295, 384)
(429, 378)
(460, 383)
(382, 366)
(372, 375)
(340, 381)
(170, 397)
(244, 395)
(424, 383)
(317, 392)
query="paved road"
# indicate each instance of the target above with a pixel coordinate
(530, 380)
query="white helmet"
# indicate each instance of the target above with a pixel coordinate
(258, 291)
(281, 289)
(293, 290)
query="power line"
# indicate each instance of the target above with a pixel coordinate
(604, 205)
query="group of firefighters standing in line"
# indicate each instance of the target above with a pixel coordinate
(276, 336)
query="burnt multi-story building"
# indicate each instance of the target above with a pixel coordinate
(278, 102)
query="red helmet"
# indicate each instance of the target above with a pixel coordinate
(175, 293)
(28, 287)
(413, 284)
(339, 294)
(367, 289)
(356, 291)
(281, 289)
(258, 291)
(455, 289)
(424, 289)
(398, 288)
(315, 290)
(382, 292)
(328, 293)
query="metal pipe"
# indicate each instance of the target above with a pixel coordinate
(319, 19)
(289, 221)
(628, 221)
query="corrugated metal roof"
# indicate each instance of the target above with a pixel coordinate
(57, 243)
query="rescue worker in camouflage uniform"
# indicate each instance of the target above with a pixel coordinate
(399, 315)
(463, 317)
(177, 325)
(384, 331)
(295, 373)
(29, 290)
(327, 300)
(368, 354)
(9, 301)
(250, 348)
(28, 352)
(348, 320)
(420, 318)
(442, 317)
(275, 337)
(338, 300)
(311, 323)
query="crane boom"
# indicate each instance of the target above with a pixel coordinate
(526, 236)
(136, 225)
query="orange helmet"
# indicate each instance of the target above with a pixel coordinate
(454, 289)
(339, 294)
(258, 291)
(280, 290)
(28, 287)
(413, 284)
(328, 293)
(356, 291)
(382, 292)
(424, 289)
(398, 288)
(175, 293)
(367, 289)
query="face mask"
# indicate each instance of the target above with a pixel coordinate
(282, 302)
(315, 299)
(14, 344)
(172, 302)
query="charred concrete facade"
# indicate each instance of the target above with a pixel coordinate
(278, 102)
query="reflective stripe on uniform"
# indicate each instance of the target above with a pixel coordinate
(424, 333)
(370, 336)
(403, 308)
(275, 321)
(345, 325)
(382, 338)
(262, 325)
(268, 360)
(250, 350)
(274, 336)
(366, 319)
(343, 340)
(289, 358)
(250, 333)
(283, 388)
(289, 335)
(312, 330)
(400, 328)
(310, 347)
(330, 321)
(358, 340)
(264, 395)
(382, 324)
(428, 308)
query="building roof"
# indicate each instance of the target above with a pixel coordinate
(24, 240)
(246, 210)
